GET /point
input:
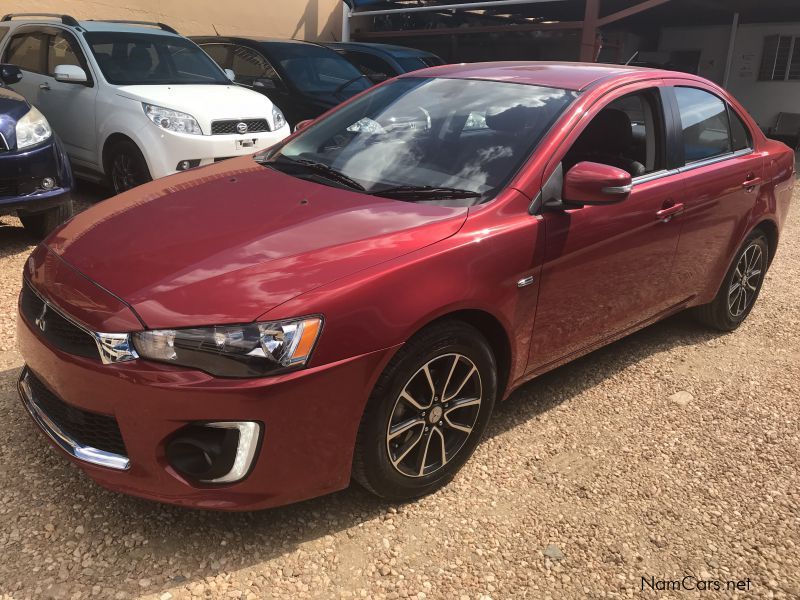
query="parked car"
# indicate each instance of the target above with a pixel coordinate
(384, 276)
(133, 102)
(303, 79)
(35, 177)
(380, 62)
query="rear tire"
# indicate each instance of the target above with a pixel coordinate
(126, 167)
(741, 286)
(40, 224)
(440, 418)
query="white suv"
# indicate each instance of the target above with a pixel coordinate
(134, 101)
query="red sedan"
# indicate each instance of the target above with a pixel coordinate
(352, 302)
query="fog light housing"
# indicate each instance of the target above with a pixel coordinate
(215, 453)
(48, 183)
(185, 165)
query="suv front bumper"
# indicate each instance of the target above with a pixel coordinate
(22, 172)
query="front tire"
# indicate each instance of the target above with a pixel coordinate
(127, 167)
(427, 412)
(40, 224)
(741, 286)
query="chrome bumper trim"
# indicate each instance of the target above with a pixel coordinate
(65, 442)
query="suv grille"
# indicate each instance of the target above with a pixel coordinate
(229, 126)
(86, 428)
(60, 332)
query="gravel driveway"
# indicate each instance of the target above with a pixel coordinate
(672, 453)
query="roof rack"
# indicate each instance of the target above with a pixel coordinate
(65, 19)
(163, 26)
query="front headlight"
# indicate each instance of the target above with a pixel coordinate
(172, 120)
(32, 129)
(278, 120)
(251, 350)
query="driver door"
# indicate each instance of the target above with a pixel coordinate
(607, 268)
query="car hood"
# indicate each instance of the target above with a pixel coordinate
(12, 108)
(228, 242)
(205, 103)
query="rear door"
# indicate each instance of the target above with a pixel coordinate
(722, 177)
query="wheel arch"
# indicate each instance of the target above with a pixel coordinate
(770, 229)
(494, 332)
(111, 141)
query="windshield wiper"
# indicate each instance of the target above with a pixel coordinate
(425, 192)
(347, 83)
(313, 166)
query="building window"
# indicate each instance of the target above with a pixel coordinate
(781, 58)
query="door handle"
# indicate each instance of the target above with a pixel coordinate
(751, 183)
(665, 214)
(44, 86)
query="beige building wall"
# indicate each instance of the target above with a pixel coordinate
(299, 19)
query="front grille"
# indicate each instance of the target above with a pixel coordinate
(230, 126)
(8, 187)
(53, 327)
(86, 428)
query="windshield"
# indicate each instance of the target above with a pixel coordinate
(152, 59)
(314, 69)
(451, 136)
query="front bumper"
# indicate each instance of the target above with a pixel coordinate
(163, 150)
(308, 433)
(22, 172)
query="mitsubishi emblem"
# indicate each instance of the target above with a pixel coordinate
(40, 322)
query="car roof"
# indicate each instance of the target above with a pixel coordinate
(387, 48)
(251, 39)
(564, 75)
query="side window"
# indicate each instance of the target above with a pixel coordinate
(628, 134)
(219, 53)
(704, 119)
(3, 33)
(27, 51)
(740, 134)
(61, 52)
(249, 65)
(374, 68)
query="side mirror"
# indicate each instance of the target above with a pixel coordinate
(589, 183)
(230, 74)
(303, 124)
(10, 74)
(70, 74)
(264, 84)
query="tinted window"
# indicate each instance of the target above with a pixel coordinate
(3, 33)
(411, 63)
(144, 58)
(27, 51)
(249, 65)
(60, 52)
(220, 53)
(315, 69)
(373, 67)
(740, 134)
(413, 132)
(704, 118)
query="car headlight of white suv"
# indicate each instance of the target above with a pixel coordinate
(32, 129)
(172, 120)
(278, 120)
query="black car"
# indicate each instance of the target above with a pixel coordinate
(301, 78)
(35, 175)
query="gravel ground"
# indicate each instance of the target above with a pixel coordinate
(671, 453)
